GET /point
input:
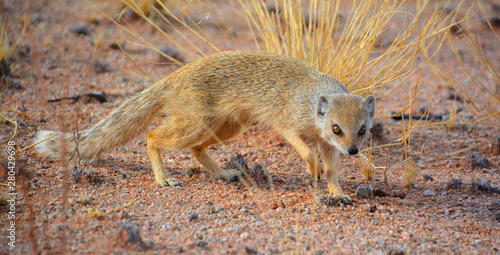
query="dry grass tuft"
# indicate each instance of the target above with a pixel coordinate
(474, 161)
(367, 166)
(411, 153)
(130, 236)
(480, 91)
(6, 49)
(455, 184)
(452, 116)
(485, 185)
(410, 169)
(259, 174)
(350, 54)
(6, 52)
(90, 175)
(237, 161)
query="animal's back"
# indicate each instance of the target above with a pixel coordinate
(261, 85)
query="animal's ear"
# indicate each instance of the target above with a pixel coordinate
(369, 106)
(322, 106)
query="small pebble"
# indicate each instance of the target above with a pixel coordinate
(201, 243)
(429, 193)
(428, 177)
(258, 223)
(78, 28)
(193, 216)
(36, 18)
(364, 191)
(250, 250)
(129, 235)
(102, 66)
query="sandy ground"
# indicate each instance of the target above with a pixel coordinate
(115, 206)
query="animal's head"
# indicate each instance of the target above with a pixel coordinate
(345, 120)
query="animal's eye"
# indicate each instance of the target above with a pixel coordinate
(362, 130)
(336, 130)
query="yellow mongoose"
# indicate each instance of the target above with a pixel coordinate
(215, 98)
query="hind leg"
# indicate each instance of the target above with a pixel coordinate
(184, 133)
(201, 155)
(224, 132)
(154, 147)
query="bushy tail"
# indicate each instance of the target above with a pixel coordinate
(122, 125)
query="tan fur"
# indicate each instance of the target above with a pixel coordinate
(213, 99)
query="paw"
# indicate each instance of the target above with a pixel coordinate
(342, 199)
(334, 200)
(316, 174)
(169, 182)
(317, 177)
(231, 175)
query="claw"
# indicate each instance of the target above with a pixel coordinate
(231, 175)
(317, 177)
(235, 178)
(342, 199)
(171, 182)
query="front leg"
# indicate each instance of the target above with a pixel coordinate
(305, 152)
(331, 164)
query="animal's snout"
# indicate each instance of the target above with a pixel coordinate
(352, 150)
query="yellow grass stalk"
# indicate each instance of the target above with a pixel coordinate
(366, 162)
(6, 49)
(345, 52)
(478, 91)
(411, 156)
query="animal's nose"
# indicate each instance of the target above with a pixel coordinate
(352, 150)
